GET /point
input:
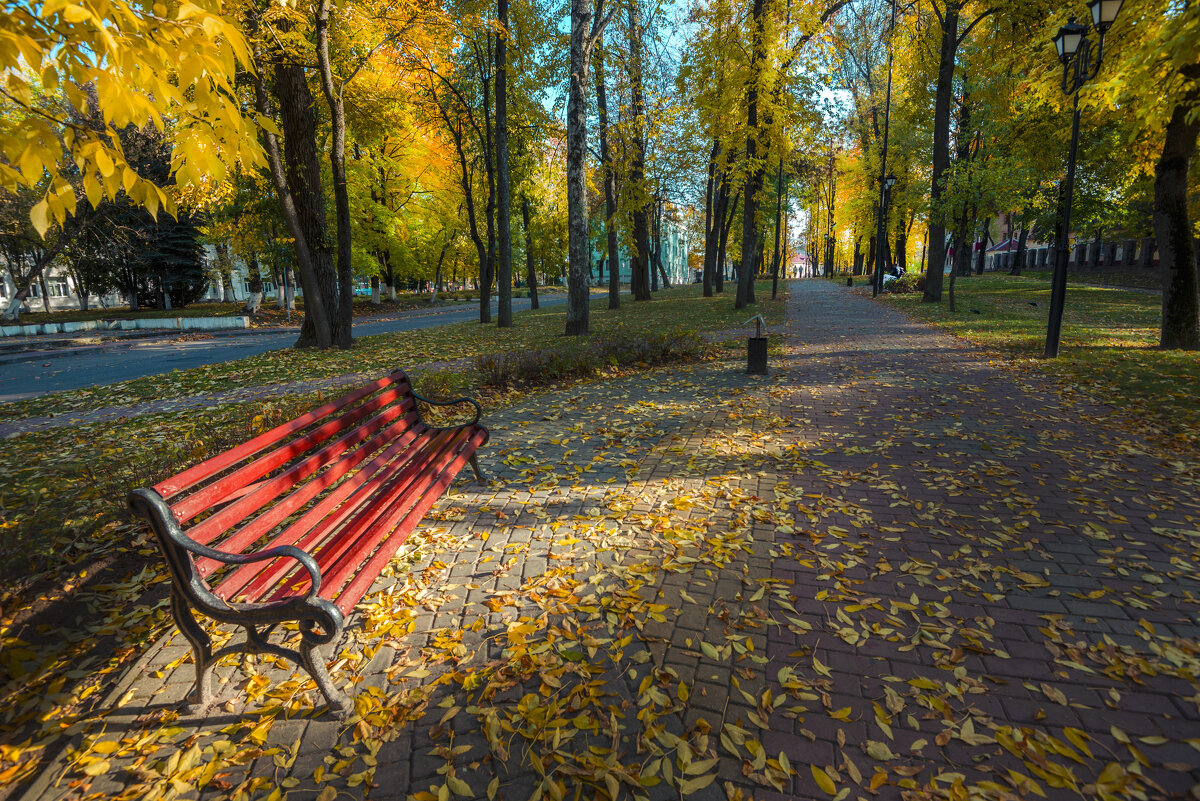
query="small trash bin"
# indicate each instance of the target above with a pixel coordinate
(756, 347)
(756, 355)
(850, 281)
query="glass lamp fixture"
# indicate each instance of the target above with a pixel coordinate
(1067, 40)
(1104, 13)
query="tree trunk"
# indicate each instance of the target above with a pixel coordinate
(530, 272)
(640, 277)
(81, 292)
(610, 186)
(437, 273)
(722, 251)
(304, 215)
(754, 177)
(1019, 259)
(1173, 232)
(504, 315)
(941, 152)
(979, 258)
(775, 254)
(710, 250)
(343, 311)
(254, 285)
(578, 246)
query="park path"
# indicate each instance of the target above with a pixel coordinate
(891, 569)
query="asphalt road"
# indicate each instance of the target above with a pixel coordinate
(27, 375)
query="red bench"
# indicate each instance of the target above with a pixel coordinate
(297, 523)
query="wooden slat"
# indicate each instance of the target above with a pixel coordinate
(366, 573)
(222, 489)
(354, 543)
(210, 467)
(376, 472)
(365, 525)
(331, 458)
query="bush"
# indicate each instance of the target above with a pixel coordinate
(587, 357)
(907, 284)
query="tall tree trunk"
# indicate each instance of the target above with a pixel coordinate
(775, 254)
(658, 245)
(754, 176)
(456, 134)
(610, 186)
(530, 272)
(489, 275)
(303, 209)
(872, 243)
(710, 239)
(578, 246)
(344, 315)
(722, 251)
(941, 152)
(1173, 232)
(504, 314)
(640, 277)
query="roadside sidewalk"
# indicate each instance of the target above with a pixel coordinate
(891, 569)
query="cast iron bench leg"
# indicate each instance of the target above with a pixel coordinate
(479, 476)
(202, 696)
(339, 704)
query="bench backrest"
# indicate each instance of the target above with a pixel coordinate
(235, 498)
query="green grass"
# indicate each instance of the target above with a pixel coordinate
(681, 307)
(1108, 349)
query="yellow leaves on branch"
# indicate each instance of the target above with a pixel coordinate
(167, 66)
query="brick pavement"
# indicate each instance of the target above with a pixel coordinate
(892, 568)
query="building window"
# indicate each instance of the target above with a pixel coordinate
(57, 287)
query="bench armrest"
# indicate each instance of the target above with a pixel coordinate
(152, 505)
(455, 402)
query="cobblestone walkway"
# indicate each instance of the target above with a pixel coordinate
(890, 569)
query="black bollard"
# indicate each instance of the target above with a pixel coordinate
(756, 355)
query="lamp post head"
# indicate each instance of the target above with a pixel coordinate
(890, 181)
(1067, 40)
(1104, 13)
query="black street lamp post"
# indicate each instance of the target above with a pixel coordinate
(1080, 65)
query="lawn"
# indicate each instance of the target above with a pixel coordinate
(1108, 350)
(679, 308)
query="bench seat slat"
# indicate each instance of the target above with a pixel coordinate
(210, 467)
(353, 592)
(384, 446)
(309, 530)
(337, 459)
(219, 491)
(334, 548)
